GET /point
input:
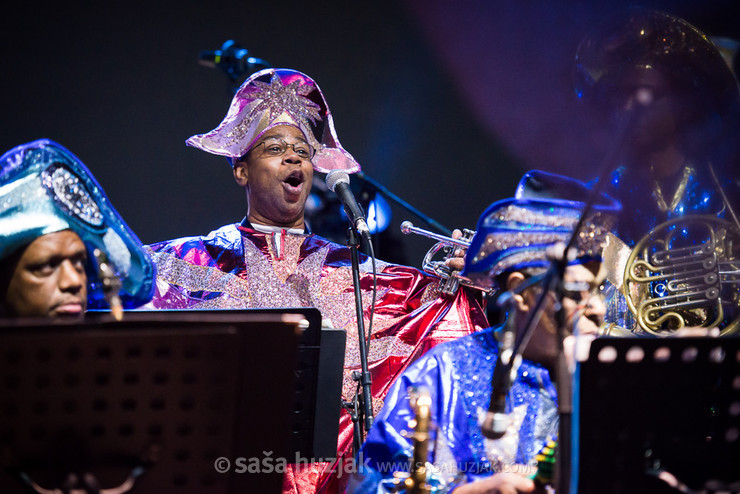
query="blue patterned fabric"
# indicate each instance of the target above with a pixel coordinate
(458, 375)
(44, 189)
(513, 234)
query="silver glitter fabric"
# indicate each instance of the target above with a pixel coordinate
(515, 233)
(44, 189)
(70, 193)
(237, 267)
(274, 97)
(527, 227)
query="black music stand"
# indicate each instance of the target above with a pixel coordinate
(318, 391)
(160, 394)
(647, 407)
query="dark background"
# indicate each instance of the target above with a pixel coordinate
(444, 102)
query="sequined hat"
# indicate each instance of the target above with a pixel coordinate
(514, 233)
(273, 97)
(642, 40)
(46, 189)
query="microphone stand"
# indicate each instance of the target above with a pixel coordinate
(363, 415)
(408, 207)
(565, 476)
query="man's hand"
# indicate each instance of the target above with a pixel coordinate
(457, 261)
(501, 483)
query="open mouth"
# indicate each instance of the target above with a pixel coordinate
(295, 179)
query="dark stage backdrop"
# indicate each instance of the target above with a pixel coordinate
(446, 103)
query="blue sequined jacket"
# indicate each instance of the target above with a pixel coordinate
(458, 375)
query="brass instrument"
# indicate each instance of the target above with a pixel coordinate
(416, 482)
(450, 280)
(685, 273)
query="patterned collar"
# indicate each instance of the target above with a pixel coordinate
(274, 229)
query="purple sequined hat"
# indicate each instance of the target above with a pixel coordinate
(515, 233)
(273, 97)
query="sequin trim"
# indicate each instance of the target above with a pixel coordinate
(275, 98)
(70, 193)
(197, 278)
(553, 217)
(473, 361)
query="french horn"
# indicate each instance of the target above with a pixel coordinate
(685, 273)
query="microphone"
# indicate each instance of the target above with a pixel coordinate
(496, 420)
(232, 59)
(338, 182)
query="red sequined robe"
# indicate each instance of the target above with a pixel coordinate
(238, 267)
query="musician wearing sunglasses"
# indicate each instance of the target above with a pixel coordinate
(512, 248)
(276, 135)
(671, 107)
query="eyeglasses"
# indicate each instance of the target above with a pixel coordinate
(277, 147)
(580, 291)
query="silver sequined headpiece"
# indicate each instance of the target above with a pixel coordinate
(514, 234)
(45, 189)
(273, 97)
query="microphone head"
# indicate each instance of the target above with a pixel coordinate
(494, 425)
(336, 176)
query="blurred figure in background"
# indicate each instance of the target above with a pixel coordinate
(672, 105)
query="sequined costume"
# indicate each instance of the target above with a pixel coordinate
(44, 188)
(458, 375)
(240, 267)
(673, 105)
(512, 236)
(237, 266)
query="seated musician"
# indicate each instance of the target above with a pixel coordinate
(663, 90)
(510, 246)
(277, 133)
(54, 218)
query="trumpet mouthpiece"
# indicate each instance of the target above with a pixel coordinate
(406, 227)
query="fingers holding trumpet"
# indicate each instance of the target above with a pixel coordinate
(456, 261)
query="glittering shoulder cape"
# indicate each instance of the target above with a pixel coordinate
(458, 376)
(237, 267)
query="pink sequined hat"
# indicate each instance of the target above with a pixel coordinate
(273, 97)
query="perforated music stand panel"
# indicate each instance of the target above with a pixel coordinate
(180, 389)
(646, 406)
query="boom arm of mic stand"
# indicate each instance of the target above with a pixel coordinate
(566, 476)
(408, 207)
(553, 284)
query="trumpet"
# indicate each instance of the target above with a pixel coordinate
(450, 280)
(408, 227)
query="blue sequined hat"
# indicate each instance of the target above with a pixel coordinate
(514, 233)
(45, 189)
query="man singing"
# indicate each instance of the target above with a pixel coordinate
(277, 133)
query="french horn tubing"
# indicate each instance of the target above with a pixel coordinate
(685, 273)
